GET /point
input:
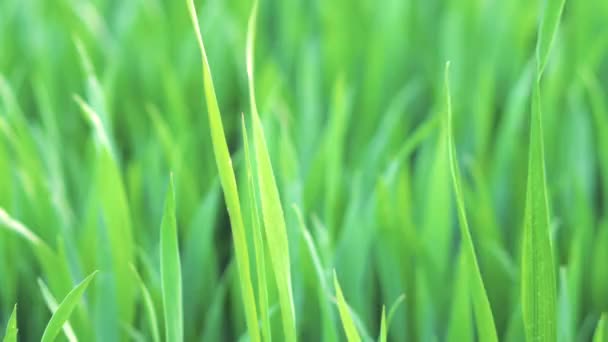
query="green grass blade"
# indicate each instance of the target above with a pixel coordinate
(51, 303)
(538, 271)
(601, 331)
(383, 332)
(258, 242)
(323, 292)
(552, 13)
(149, 306)
(228, 181)
(65, 309)
(272, 211)
(11, 327)
(170, 270)
(481, 305)
(350, 329)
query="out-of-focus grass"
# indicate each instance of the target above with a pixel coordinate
(100, 100)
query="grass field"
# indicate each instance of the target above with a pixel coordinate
(230, 170)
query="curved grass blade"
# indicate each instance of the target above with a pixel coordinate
(352, 335)
(272, 211)
(170, 270)
(258, 242)
(149, 306)
(54, 267)
(481, 305)
(601, 332)
(51, 303)
(65, 309)
(11, 327)
(228, 181)
(552, 13)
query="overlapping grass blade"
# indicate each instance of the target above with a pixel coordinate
(11, 327)
(149, 306)
(170, 269)
(481, 305)
(228, 181)
(51, 303)
(350, 329)
(64, 310)
(272, 211)
(258, 242)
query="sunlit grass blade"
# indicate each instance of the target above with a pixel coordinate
(258, 242)
(51, 303)
(383, 331)
(228, 181)
(170, 269)
(552, 12)
(11, 327)
(601, 331)
(481, 305)
(64, 310)
(149, 306)
(350, 329)
(272, 211)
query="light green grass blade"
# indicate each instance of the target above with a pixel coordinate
(460, 325)
(601, 331)
(323, 292)
(272, 211)
(481, 305)
(258, 242)
(228, 181)
(552, 12)
(149, 306)
(110, 189)
(350, 329)
(538, 271)
(51, 303)
(11, 327)
(65, 309)
(383, 331)
(170, 270)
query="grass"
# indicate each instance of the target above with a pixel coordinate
(327, 178)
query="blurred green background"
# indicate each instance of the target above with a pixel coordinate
(350, 93)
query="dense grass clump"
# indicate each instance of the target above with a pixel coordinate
(391, 170)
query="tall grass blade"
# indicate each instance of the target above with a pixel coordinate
(228, 181)
(538, 271)
(170, 270)
(350, 329)
(272, 211)
(11, 327)
(481, 305)
(65, 309)
(258, 242)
